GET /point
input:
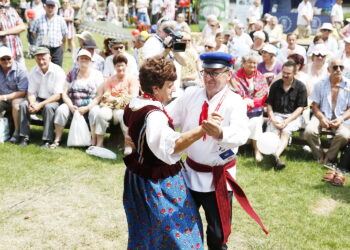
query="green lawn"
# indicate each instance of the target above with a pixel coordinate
(65, 199)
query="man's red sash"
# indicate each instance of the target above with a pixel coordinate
(220, 177)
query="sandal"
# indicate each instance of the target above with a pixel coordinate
(54, 145)
(329, 176)
(339, 180)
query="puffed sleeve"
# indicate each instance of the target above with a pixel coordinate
(161, 138)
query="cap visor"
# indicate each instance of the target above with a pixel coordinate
(213, 65)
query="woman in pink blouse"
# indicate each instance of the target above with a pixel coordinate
(115, 95)
(249, 83)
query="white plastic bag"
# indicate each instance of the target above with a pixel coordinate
(4, 129)
(79, 134)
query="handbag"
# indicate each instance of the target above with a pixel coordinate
(4, 129)
(79, 133)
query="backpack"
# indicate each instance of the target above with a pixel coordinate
(344, 162)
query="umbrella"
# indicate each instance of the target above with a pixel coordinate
(106, 29)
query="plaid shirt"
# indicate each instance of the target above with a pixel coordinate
(55, 29)
(9, 19)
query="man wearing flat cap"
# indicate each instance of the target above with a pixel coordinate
(210, 164)
(13, 87)
(46, 81)
(49, 31)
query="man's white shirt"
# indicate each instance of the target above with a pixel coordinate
(185, 112)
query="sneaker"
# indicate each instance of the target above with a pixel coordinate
(45, 144)
(307, 149)
(24, 142)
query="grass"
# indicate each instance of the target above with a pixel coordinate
(65, 199)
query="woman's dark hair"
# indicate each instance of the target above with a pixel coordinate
(155, 71)
(107, 51)
(298, 59)
(120, 59)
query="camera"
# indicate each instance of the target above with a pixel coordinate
(175, 42)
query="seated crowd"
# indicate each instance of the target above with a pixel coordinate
(297, 88)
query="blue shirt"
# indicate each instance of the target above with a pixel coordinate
(322, 94)
(15, 80)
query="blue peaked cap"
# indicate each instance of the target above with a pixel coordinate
(216, 60)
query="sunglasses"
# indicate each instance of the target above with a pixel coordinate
(335, 67)
(212, 25)
(320, 55)
(208, 47)
(118, 48)
(184, 40)
(5, 59)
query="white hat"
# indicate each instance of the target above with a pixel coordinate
(327, 26)
(84, 52)
(347, 39)
(270, 49)
(259, 34)
(84, 35)
(320, 49)
(4, 51)
(251, 20)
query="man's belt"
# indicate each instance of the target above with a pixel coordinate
(220, 177)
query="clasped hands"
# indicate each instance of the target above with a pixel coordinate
(331, 124)
(34, 107)
(212, 126)
(82, 110)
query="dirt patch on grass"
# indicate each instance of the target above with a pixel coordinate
(325, 206)
(77, 215)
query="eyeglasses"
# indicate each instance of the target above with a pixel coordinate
(186, 40)
(118, 48)
(325, 30)
(212, 25)
(335, 67)
(5, 59)
(208, 47)
(320, 55)
(212, 74)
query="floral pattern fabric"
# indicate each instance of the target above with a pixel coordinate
(256, 89)
(161, 213)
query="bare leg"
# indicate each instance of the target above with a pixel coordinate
(93, 136)
(58, 132)
(15, 112)
(99, 140)
(258, 155)
(283, 143)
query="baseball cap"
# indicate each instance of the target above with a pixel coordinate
(41, 50)
(5, 51)
(84, 52)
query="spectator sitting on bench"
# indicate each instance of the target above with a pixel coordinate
(46, 81)
(286, 102)
(116, 94)
(13, 87)
(331, 109)
(79, 94)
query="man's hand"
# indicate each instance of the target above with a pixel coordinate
(336, 123)
(34, 107)
(324, 123)
(279, 124)
(215, 117)
(212, 128)
(167, 41)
